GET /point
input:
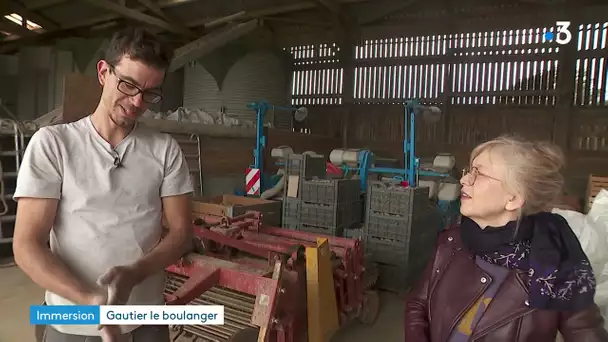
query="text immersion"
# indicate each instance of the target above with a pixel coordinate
(127, 314)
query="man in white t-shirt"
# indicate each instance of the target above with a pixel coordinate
(98, 189)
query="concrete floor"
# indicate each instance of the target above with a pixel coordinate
(17, 293)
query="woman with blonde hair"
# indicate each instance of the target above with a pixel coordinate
(511, 271)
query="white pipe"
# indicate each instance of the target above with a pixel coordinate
(275, 190)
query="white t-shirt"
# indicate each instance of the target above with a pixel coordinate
(107, 215)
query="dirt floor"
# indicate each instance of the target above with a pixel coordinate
(17, 293)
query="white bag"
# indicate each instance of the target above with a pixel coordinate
(592, 232)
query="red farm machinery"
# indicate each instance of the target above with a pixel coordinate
(276, 284)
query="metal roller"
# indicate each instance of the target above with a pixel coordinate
(238, 309)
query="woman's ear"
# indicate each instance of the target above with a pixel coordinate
(515, 203)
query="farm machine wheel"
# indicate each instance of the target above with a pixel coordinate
(371, 308)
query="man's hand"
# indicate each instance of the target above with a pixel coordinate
(109, 333)
(119, 281)
(112, 333)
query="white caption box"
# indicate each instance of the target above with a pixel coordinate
(162, 314)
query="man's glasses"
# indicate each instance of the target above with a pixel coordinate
(130, 89)
(473, 173)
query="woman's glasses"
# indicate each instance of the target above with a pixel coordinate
(473, 173)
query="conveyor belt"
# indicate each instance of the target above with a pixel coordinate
(238, 309)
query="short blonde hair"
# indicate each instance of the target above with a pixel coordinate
(533, 170)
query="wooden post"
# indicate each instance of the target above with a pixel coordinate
(566, 80)
(347, 60)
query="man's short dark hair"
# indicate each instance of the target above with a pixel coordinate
(140, 45)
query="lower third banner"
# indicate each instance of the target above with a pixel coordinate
(127, 314)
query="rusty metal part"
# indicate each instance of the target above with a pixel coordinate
(208, 280)
(238, 270)
(238, 310)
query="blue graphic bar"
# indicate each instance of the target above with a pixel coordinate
(64, 314)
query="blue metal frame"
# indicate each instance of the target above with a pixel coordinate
(411, 168)
(261, 107)
(410, 171)
(260, 139)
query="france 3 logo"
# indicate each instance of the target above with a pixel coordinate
(563, 35)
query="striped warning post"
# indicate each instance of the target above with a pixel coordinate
(252, 181)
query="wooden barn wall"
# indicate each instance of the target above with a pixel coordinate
(487, 81)
(232, 156)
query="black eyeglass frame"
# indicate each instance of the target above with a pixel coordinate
(157, 95)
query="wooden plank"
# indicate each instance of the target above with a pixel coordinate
(81, 95)
(232, 205)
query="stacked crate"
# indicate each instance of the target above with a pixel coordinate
(304, 167)
(329, 206)
(400, 231)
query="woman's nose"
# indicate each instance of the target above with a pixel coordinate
(464, 180)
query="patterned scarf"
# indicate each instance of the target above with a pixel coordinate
(544, 245)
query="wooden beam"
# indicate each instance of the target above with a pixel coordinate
(70, 28)
(331, 5)
(299, 22)
(339, 13)
(13, 28)
(9, 6)
(275, 10)
(155, 8)
(383, 11)
(210, 42)
(11, 46)
(137, 15)
(544, 2)
(37, 6)
(224, 20)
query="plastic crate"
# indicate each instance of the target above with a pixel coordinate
(306, 166)
(388, 226)
(331, 192)
(341, 215)
(390, 252)
(403, 228)
(336, 231)
(383, 197)
(353, 233)
(290, 223)
(292, 207)
(291, 212)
